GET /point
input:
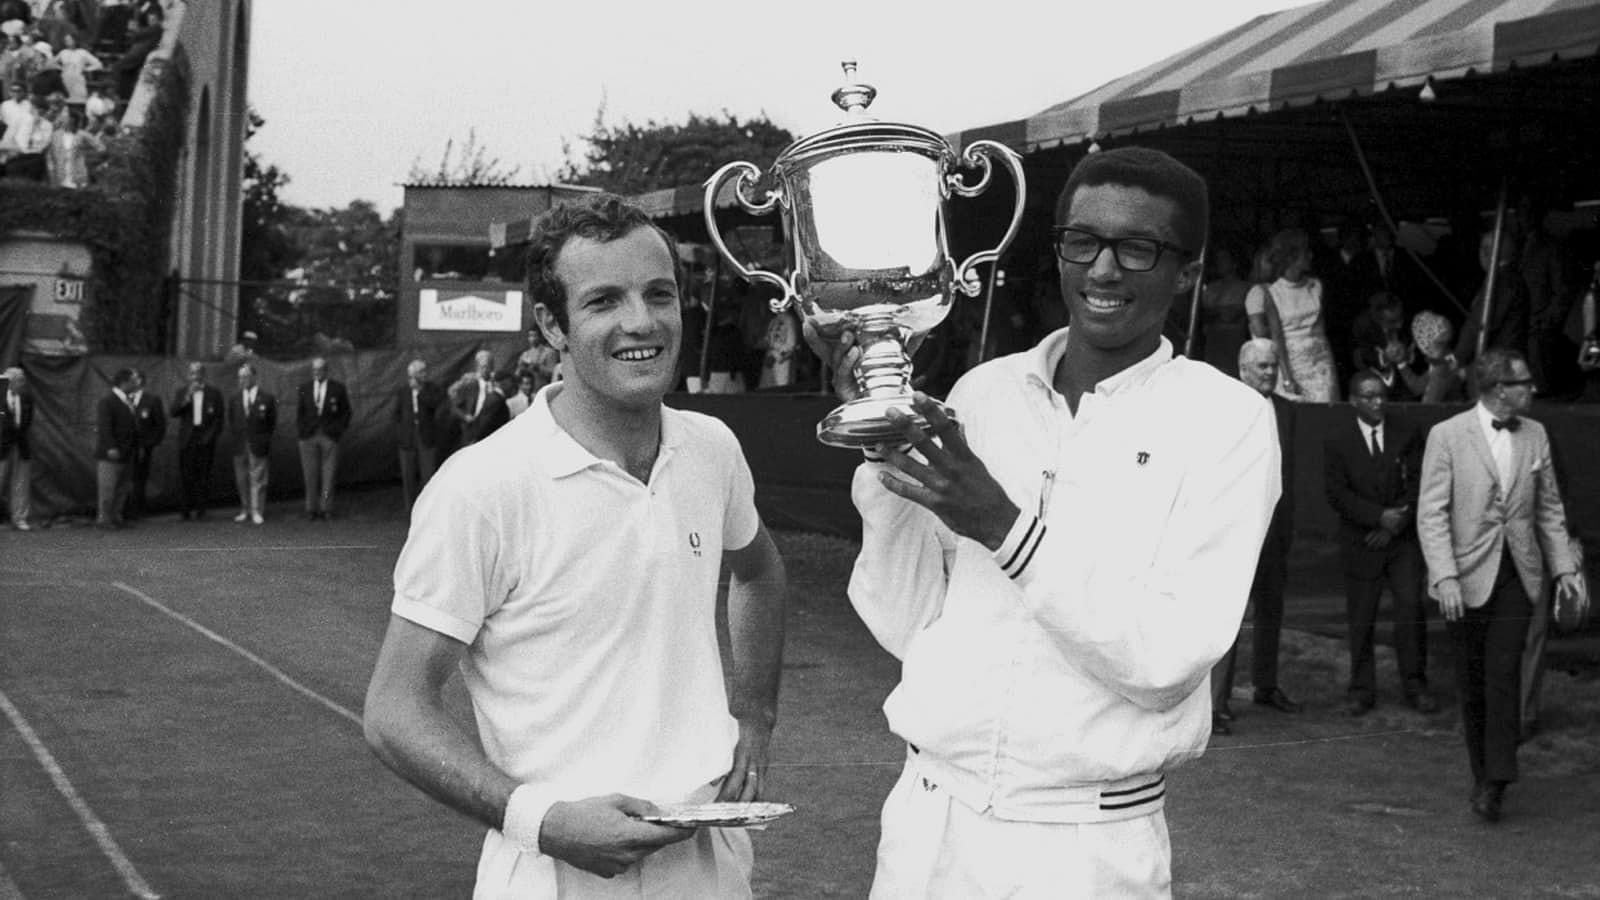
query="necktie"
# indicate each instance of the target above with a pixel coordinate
(413, 403)
(1511, 424)
(483, 391)
(1377, 448)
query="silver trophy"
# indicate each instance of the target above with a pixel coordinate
(863, 208)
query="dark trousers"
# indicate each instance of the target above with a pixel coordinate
(1488, 657)
(138, 483)
(1266, 602)
(194, 474)
(417, 465)
(1403, 573)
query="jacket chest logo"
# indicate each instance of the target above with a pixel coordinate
(1141, 457)
(694, 543)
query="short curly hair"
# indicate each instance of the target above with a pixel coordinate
(599, 217)
(1154, 172)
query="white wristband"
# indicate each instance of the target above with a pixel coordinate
(525, 813)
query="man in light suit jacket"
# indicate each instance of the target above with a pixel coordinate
(1370, 469)
(252, 416)
(1491, 526)
(197, 407)
(322, 413)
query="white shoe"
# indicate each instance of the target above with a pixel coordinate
(243, 516)
(255, 518)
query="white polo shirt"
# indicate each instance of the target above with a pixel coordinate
(1077, 654)
(587, 600)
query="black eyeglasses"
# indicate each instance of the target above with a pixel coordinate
(1517, 382)
(1133, 254)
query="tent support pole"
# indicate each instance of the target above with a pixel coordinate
(988, 307)
(1494, 268)
(1194, 305)
(1383, 210)
(711, 318)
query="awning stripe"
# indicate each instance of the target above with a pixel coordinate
(1375, 21)
(1535, 40)
(1461, 18)
(1286, 45)
(1172, 65)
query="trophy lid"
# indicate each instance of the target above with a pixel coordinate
(860, 131)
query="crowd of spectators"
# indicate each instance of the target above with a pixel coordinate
(67, 67)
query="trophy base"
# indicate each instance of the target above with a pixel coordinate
(861, 422)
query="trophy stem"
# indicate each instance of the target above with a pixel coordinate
(884, 374)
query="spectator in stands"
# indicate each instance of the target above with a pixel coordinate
(418, 428)
(68, 157)
(101, 110)
(1507, 326)
(143, 39)
(197, 407)
(779, 346)
(29, 61)
(16, 453)
(245, 350)
(23, 148)
(322, 413)
(16, 107)
(1224, 325)
(116, 441)
(538, 358)
(1381, 347)
(522, 398)
(1443, 382)
(1543, 265)
(1289, 312)
(114, 24)
(152, 429)
(252, 415)
(75, 64)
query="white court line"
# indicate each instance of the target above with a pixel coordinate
(271, 669)
(96, 828)
(242, 547)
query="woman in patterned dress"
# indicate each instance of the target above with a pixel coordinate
(1289, 312)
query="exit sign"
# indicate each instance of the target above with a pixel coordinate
(69, 290)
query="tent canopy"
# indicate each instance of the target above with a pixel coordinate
(1333, 50)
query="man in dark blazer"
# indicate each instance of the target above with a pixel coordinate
(1371, 464)
(478, 404)
(1492, 529)
(1258, 368)
(197, 407)
(16, 454)
(116, 441)
(152, 416)
(322, 413)
(252, 415)
(418, 429)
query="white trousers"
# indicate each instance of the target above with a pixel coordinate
(935, 847)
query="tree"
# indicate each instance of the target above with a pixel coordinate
(266, 249)
(633, 159)
(473, 167)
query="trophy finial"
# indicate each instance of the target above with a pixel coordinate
(853, 97)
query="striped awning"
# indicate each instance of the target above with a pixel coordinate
(1331, 50)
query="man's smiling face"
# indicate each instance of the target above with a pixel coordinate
(620, 344)
(1114, 309)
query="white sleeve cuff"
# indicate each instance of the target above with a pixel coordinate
(1021, 543)
(525, 813)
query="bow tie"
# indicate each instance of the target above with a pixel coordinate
(1511, 424)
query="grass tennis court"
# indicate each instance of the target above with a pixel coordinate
(179, 707)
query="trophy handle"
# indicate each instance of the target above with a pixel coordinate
(748, 175)
(979, 155)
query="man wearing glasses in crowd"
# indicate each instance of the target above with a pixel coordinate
(1059, 572)
(1491, 525)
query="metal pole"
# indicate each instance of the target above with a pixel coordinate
(1383, 211)
(1494, 268)
(711, 309)
(1194, 307)
(988, 307)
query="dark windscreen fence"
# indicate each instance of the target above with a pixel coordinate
(291, 319)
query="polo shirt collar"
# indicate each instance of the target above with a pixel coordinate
(1046, 356)
(568, 457)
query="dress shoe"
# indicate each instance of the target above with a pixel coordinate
(1356, 707)
(199, 514)
(22, 526)
(1486, 805)
(183, 515)
(243, 516)
(1278, 700)
(1220, 726)
(256, 518)
(1223, 711)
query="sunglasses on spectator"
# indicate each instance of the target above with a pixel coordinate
(1133, 254)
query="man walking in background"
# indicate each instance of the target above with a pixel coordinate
(197, 407)
(418, 430)
(322, 413)
(152, 418)
(252, 416)
(1258, 368)
(1371, 467)
(116, 441)
(1492, 527)
(16, 454)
